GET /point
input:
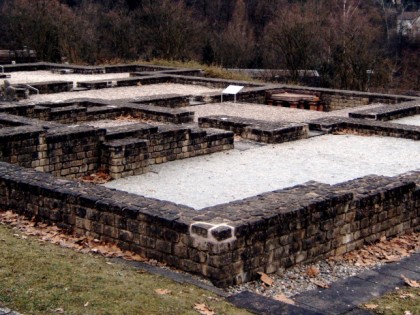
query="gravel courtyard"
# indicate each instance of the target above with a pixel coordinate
(410, 120)
(253, 169)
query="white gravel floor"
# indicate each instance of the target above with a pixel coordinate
(410, 120)
(45, 76)
(269, 113)
(232, 175)
(126, 92)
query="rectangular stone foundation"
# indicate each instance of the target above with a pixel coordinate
(256, 130)
(231, 243)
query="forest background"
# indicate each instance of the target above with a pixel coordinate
(353, 44)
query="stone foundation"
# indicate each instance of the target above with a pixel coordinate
(256, 130)
(231, 243)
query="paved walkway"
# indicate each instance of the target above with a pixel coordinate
(343, 297)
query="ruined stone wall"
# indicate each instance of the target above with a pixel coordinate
(228, 243)
(132, 156)
(74, 151)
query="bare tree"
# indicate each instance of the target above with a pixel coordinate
(236, 44)
(292, 40)
(168, 29)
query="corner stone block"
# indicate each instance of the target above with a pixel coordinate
(201, 229)
(222, 233)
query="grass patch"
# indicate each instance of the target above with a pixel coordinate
(41, 278)
(399, 302)
(212, 71)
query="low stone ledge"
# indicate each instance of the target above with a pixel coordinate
(228, 243)
(74, 132)
(125, 157)
(388, 112)
(257, 130)
(48, 87)
(172, 115)
(139, 130)
(169, 100)
(19, 133)
(363, 126)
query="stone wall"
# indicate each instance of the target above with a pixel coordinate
(70, 152)
(365, 127)
(133, 148)
(82, 110)
(342, 99)
(228, 243)
(125, 157)
(257, 130)
(74, 151)
(387, 112)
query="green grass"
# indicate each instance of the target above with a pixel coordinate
(397, 302)
(39, 278)
(211, 71)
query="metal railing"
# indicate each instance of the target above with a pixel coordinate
(31, 88)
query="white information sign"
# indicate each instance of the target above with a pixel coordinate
(232, 90)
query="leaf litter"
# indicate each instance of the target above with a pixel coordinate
(286, 282)
(203, 309)
(300, 278)
(55, 235)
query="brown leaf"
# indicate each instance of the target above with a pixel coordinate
(320, 283)
(312, 272)
(163, 291)
(203, 309)
(371, 306)
(391, 258)
(284, 299)
(407, 295)
(411, 283)
(266, 279)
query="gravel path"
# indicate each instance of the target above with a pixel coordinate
(232, 175)
(411, 120)
(126, 92)
(269, 113)
(45, 76)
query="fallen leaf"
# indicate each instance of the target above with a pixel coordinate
(266, 279)
(203, 309)
(391, 258)
(59, 310)
(163, 291)
(407, 295)
(408, 313)
(284, 299)
(86, 304)
(312, 272)
(320, 284)
(411, 283)
(371, 306)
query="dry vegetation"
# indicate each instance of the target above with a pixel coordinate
(77, 277)
(353, 44)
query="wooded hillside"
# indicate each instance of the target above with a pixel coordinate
(353, 44)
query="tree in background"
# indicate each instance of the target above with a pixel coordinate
(37, 24)
(292, 40)
(168, 30)
(353, 44)
(236, 44)
(356, 54)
